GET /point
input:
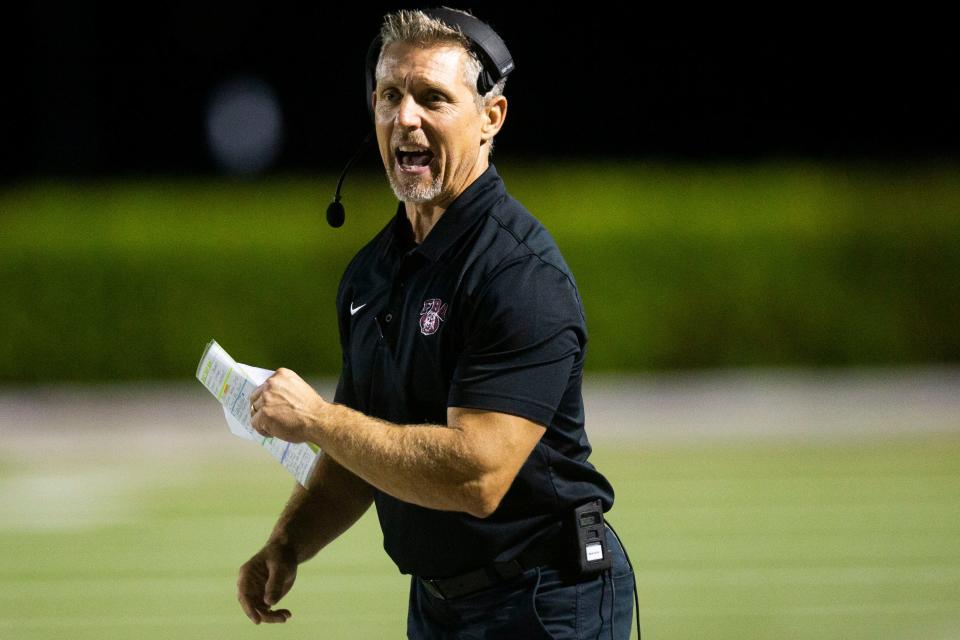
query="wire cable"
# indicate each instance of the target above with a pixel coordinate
(636, 596)
(603, 591)
(613, 604)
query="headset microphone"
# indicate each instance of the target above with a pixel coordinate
(335, 211)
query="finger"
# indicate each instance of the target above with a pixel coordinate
(246, 603)
(256, 393)
(255, 423)
(276, 615)
(258, 611)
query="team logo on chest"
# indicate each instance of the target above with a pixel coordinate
(434, 312)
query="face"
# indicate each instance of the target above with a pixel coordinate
(428, 126)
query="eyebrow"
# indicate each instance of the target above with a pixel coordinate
(431, 85)
(439, 89)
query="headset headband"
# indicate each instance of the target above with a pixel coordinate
(496, 60)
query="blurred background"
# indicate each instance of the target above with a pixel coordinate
(763, 224)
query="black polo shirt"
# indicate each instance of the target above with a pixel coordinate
(484, 314)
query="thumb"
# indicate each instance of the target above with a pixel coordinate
(274, 586)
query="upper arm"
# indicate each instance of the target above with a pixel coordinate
(524, 340)
(524, 343)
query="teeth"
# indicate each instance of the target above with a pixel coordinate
(406, 148)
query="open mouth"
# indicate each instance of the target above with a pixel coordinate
(415, 158)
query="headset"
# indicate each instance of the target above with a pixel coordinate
(496, 64)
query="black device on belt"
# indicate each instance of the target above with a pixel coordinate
(577, 546)
(590, 531)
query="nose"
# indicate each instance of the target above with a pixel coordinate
(408, 113)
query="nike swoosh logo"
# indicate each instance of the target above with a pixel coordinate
(353, 311)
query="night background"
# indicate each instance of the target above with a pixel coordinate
(100, 89)
(762, 214)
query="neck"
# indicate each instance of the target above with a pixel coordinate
(424, 215)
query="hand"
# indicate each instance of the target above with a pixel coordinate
(285, 407)
(264, 580)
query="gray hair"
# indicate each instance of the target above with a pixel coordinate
(414, 26)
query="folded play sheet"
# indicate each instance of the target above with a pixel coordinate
(231, 383)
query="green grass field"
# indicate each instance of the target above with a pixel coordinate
(736, 540)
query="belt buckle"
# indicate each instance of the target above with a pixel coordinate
(432, 588)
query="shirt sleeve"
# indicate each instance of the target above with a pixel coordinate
(525, 334)
(344, 394)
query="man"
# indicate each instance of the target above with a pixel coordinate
(458, 409)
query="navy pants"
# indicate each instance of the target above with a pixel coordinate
(537, 604)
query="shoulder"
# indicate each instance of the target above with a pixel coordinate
(516, 253)
(517, 232)
(519, 276)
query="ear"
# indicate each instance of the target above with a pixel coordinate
(494, 113)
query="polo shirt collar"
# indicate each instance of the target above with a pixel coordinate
(459, 216)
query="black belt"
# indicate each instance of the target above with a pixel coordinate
(548, 551)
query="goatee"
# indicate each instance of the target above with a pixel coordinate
(414, 189)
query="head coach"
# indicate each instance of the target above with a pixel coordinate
(459, 409)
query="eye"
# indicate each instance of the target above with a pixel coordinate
(437, 97)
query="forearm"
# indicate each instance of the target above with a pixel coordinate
(431, 465)
(315, 516)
